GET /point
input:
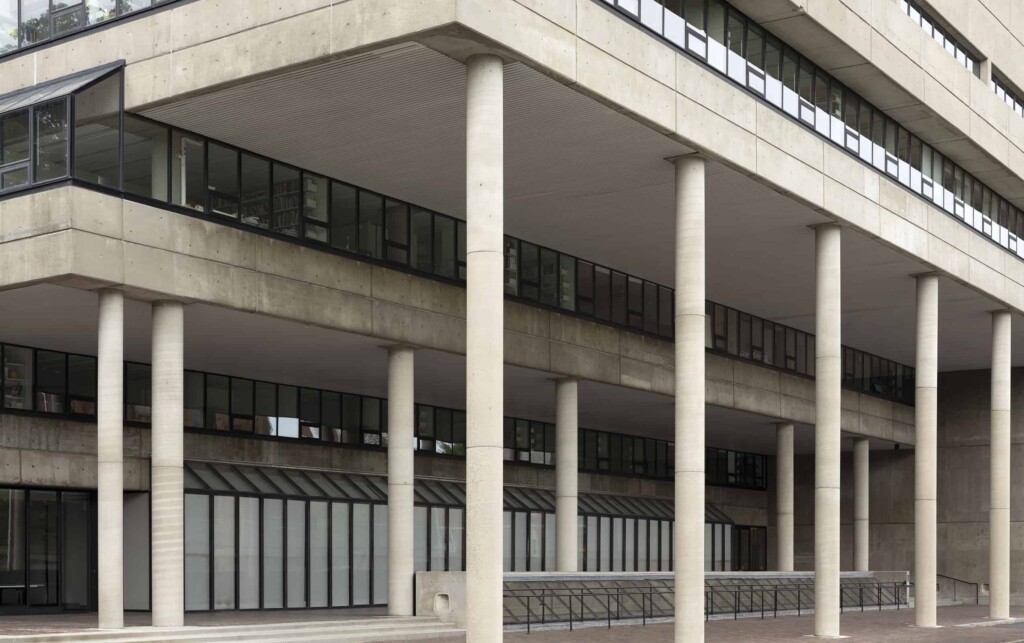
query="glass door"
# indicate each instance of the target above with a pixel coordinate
(76, 549)
(43, 550)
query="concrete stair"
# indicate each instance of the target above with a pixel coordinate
(344, 631)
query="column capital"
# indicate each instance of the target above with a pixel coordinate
(923, 275)
(827, 225)
(688, 156)
(999, 311)
(394, 348)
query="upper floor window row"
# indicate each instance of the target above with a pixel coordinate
(24, 23)
(203, 177)
(63, 384)
(941, 36)
(724, 39)
(1007, 95)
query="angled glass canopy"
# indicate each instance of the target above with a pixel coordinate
(217, 477)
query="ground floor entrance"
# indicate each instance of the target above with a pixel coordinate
(47, 550)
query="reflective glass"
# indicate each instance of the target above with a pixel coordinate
(51, 140)
(8, 30)
(340, 554)
(197, 552)
(35, 21)
(254, 203)
(344, 219)
(318, 545)
(98, 133)
(146, 155)
(361, 554)
(371, 224)
(82, 385)
(51, 379)
(223, 552)
(188, 170)
(14, 137)
(287, 196)
(296, 522)
(18, 378)
(248, 553)
(273, 553)
(223, 180)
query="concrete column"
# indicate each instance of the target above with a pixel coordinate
(401, 501)
(925, 412)
(999, 511)
(784, 496)
(689, 393)
(567, 467)
(485, 310)
(861, 505)
(985, 69)
(167, 488)
(827, 434)
(110, 459)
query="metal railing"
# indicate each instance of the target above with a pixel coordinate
(532, 607)
(974, 588)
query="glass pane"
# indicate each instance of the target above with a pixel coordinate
(43, 551)
(8, 33)
(455, 539)
(296, 553)
(217, 403)
(536, 542)
(223, 180)
(97, 133)
(248, 553)
(314, 203)
(318, 554)
(273, 548)
(265, 407)
(371, 224)
(396, 219)
(331, 416)
(51, 140)
(343, 217)
(380, 554)
(76, 543)
(420, 539)
(146, 154)
(12, 546)
(255, 191)
(444, 246)
(287, 412)
(438, 534)
(35, 21)
(137, 393)
(360, 554)
(51, 375)
(223, 552)
(421, 242)
(241, 404)
(187, 172)
(286, 198)
(340, 554)
(197, 552)
(82, 385)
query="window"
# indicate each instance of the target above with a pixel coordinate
(138, 403)
(51, 375)
(287, 195)
(14, 149)
(444, 246)
(344, 217)
(98, 133)
(146, 147)
(315, 207)
(420, 245)
(195, 384)
(217, 403)
(223, 180)
(51, 140)
(242, 405)
(188, 170)
(254, 204)
(81, 385)
(371, 224)
(396, 229)
(265, 407)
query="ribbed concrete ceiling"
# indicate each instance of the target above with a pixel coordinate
(581, 178)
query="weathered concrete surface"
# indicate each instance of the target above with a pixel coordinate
(83, 239)
(963, 490)
(205, 46)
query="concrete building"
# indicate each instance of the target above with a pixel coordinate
(298, 299)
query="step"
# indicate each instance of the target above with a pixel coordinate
(307, 630)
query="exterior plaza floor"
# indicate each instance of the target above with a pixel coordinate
(883, 626)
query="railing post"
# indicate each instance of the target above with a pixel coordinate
(528, 597)
(608, 608)
(879, 598)
(860, 597)
(618, 603)
(543, 606)
(798, 608)
(775, 600)
(736, 605)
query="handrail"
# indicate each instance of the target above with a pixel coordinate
(957, 581)
(542, 605)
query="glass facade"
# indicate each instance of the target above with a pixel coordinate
(57, 383)
(716, 34)
(941, 36)
(24, 23)
(47, 550)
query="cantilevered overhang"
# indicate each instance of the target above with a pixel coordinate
(586, 179)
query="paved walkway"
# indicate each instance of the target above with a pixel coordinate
(877, 627)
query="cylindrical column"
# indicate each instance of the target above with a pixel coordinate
(925, 450)
(999, 511)
(566, 472)
(827, 434)
(110, 459)
(784, 496)
(861, 505)
(689, 403)
(401, 501)
(167, 484)
(485, 308)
